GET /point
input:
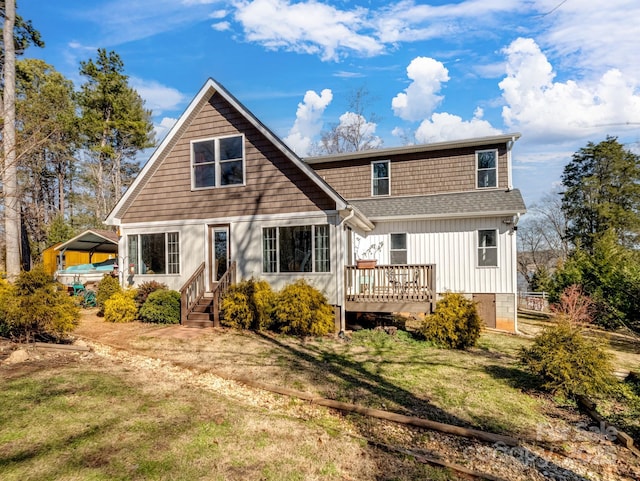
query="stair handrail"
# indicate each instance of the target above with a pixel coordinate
(191, 292)
(220, 289)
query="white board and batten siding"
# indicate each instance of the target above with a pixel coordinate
(452, 245)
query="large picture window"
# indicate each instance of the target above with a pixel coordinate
(154, 253)
(296, 249)
(487, 168)
(488, 248)
(380, 178)
(218, 162)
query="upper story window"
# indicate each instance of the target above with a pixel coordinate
(487, 168)
(380, 178)
(488, 248)
(217, 162)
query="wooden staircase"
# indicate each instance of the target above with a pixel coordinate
(199, 308)
(202, 313)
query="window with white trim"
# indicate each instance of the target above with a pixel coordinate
(380, 178)
(398, 248)
(296, 249)
(488, 248)
(154, 253)
(487, 168)
(217, 162)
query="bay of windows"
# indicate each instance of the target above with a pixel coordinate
(296, 249)
(154, 253)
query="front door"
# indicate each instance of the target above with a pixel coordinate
(218, 252)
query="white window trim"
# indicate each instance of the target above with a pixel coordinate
(218, 174)
(497, 249)
(138, 261)
(389, 177)
(477, 169)
(313, 250)
(406, 248)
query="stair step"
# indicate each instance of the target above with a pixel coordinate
(199, 324)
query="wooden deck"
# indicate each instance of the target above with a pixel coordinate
(390, 288)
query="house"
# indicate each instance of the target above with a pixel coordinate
(222, 198)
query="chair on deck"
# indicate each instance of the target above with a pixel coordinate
(393, 280)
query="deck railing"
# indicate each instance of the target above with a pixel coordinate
(192, 292)
(390, 283)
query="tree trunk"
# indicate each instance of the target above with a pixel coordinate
(9, 178)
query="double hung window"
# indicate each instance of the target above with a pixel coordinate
(154, 253)
(487, 168)
(488, 248)
(398, 249)
(296, 249)
(380, 178)
(217, 162)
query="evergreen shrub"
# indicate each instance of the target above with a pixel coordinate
(147, 288)
(455, 323)
(303, 310)
(121, 307)
(161, 306)
(248, 305)
(107, 287)
(36, 307)
(567, 363)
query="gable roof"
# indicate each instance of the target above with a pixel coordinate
(463, 204)
(92, 241)
(206, 92)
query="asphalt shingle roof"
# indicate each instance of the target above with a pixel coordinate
(481, 202)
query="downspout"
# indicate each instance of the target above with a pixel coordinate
(510, 145)
(340, 281)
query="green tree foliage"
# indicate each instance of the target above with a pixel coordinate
(107, 287)
(47, 138)
(567, 363)
(115, 126)
(162, 306)
(248, 305)
(121, 307)
(610, 275)
(302, 310)
(36, 307)
(454, 324)
(602, 192)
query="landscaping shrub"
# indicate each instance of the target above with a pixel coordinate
(567, 363)
(302, 310)
(36, 307)
(248, 305)
(107, 287)
(454, 324)
(161, 306)
(121, 307)
(147, 288)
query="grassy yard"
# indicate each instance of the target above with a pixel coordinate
(152, 415)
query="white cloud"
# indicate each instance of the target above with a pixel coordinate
(218, 14)
(163, 127)
(307, 27)
(420, 97)
(221, 26)
(542, 107)
(308, 122)
(444, 126)
(157, 97)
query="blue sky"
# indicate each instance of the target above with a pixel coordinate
(561, 72)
